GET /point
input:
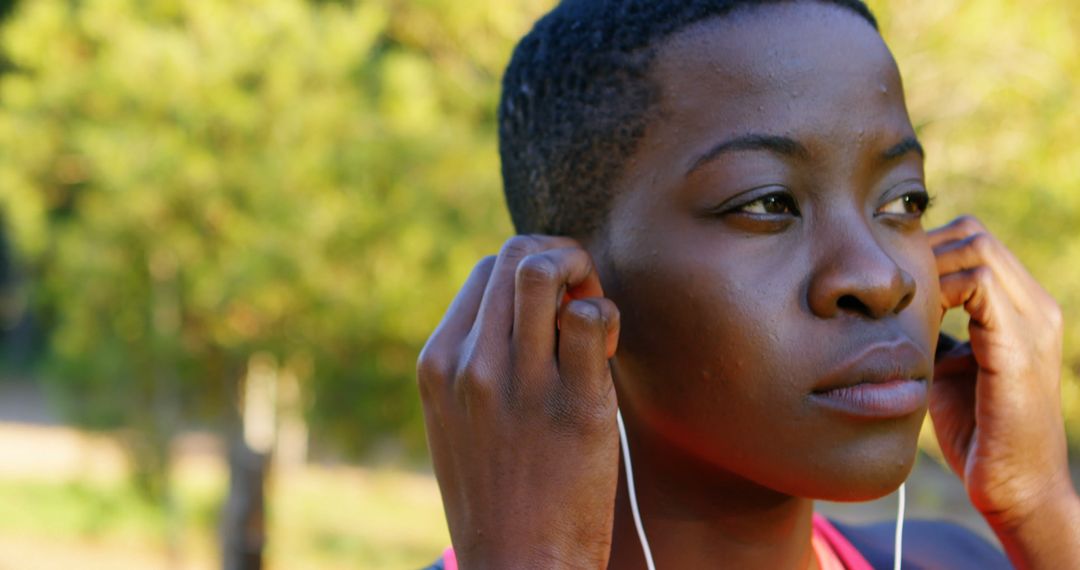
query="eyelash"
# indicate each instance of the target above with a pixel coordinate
(921, 199)
(782, 198)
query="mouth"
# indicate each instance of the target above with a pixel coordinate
(876, 400)
(883, 381)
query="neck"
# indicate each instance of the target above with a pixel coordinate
(698, 516)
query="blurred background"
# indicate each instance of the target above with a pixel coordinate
(227, 227)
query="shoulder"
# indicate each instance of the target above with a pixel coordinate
(928, 545)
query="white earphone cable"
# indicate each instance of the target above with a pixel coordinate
(624, 443)
(899, 527)
(633, 495)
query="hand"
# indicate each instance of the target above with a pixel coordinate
(520, 409)
(995, 401)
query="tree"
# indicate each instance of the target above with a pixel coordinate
(992, 89)
(194, 186)
(195, 189)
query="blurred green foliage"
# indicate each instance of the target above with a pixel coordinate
(191, 183)
(994, 90)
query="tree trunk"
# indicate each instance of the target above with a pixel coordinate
(243, 521)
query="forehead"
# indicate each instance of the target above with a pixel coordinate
(794, 68)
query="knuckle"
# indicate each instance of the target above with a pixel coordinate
(580, 415)
(473, 382)
(598, 413)
(609, 309)
(982, 244)
(582, 256)
(486, 263)
(1055, 316)
(431, 366)
(585, 311)
(982, 275)
(433, 370)
(520, 246)
(583, 314)
(432, 362)
(969, 224)
(537, 269)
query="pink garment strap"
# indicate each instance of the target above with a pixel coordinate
(449, 559)
(843, 551)
(833, 551)
(826, 558)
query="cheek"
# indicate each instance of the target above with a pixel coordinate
(676, 318)
(925, 311)
(698, 348)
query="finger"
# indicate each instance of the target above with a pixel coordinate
(965, 228)
(438, 360)
(977, 291)
(952, 406)
(983, 249)
(957, 229)
(611, 335)
(987, 246)
(587, 338)
(590, 287)
(495, 317)
(541, 282)
(459, 317)
(440, 449)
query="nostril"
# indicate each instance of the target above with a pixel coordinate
(904, 303)
(853, 304)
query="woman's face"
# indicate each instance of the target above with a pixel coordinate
(766, 250)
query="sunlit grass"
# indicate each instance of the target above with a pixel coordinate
(318, 518)
(355, 519)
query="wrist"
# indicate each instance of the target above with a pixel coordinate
(528, 555)
(533, 559)
(1044, 533)
(1055, 499)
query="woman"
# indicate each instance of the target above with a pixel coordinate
(743, 273)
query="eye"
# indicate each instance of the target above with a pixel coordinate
(912, 203)
(773, 204)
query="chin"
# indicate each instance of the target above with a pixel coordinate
(873, 486)
(869, 471)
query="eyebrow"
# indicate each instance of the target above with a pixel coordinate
(787, 146)
(777, 144)
(909, 144)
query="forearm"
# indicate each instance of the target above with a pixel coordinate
(1046, 538)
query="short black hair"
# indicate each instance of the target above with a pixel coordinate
(576, 98)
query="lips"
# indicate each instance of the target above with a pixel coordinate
(884, 380)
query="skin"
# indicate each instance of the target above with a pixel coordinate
(730, 283)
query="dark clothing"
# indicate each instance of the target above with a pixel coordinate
(928, 545)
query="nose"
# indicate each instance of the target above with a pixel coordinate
(856, 276)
